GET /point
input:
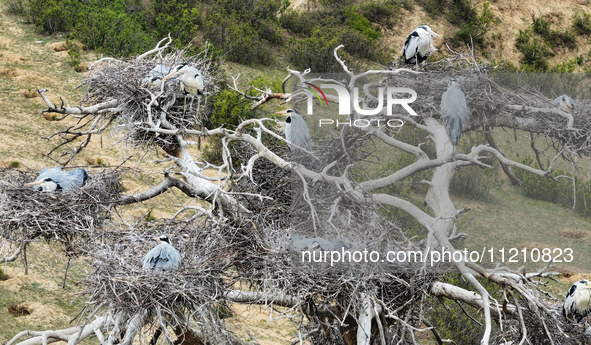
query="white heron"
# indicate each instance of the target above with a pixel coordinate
(419, 45)
(296, 130)
(55, 179)
(163, 257)
(191, 79)
(564, 102)
(577, 302)
(454, 111)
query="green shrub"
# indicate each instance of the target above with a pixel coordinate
(561, 192)
(473, 27)
(298, 22)
(18, 7)
(51, 16)
(535, 51)
(451, 320)
(14, 164)
(177, 17)
(360, 23)
(435, 8)
(2, 275)
(582, 23)
(315, 53)
(554, 38)
(381, 12)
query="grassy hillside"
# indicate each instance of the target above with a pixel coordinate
(30, 60)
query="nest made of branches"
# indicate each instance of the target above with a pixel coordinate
(122, 80)
(194, 290)
(27, 214)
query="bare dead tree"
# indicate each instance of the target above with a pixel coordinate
(247, 240)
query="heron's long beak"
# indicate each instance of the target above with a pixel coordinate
(155, 238)
(570, 106)
(35, 183)
(433, 33)
(281, 112)
(169, 76)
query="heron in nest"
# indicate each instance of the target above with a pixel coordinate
(55, 179)
(163, 257)
(418, 45)
(191, 80)
(316, 244)
(577, 302)
(296, 130)
(154, 78)
(454, 111)
(564, 102)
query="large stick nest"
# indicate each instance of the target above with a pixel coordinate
(27, 214)
(270, 264)
(193, 291)
(122, 80)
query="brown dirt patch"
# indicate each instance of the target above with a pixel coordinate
(572, 233)
(256, 320)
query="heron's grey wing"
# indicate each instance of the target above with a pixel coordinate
(411, 46)
(71, 179)
(454, 112)
(163, 256)
(80, 176)
(51, 173)
(302, 244)
(300, 133)
(160, 71)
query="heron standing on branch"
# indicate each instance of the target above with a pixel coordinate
(577, 303)
(454, 111)
(163, 257)
(54, 179)
(296, 130)
(419, 45)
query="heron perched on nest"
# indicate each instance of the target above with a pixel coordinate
(296, 130)
(419, 45)
(55, 179)
(154, 78)
(191, 79)
(316, 244)
(577, 303)
(454, 111)
(564, 102)
(163, 257)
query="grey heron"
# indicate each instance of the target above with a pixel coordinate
(163, 257)
(154, 78)
(54, 179)
(316, 244)
(296, 130)
(454, 111)
(191, 79)
(564, 102)
(419, 45)
(577, 302)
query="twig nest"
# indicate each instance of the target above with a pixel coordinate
(27, 214)
(192, 290)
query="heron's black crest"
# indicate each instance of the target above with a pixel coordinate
(164, 238)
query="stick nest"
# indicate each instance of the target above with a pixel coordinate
(26, 214)
(193, 290)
